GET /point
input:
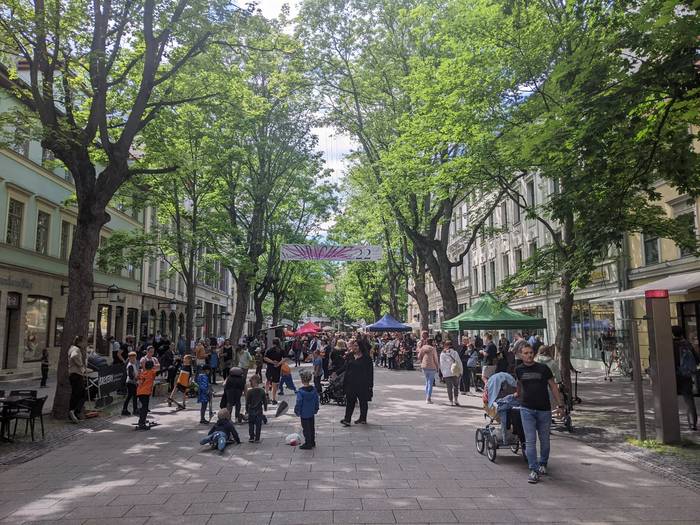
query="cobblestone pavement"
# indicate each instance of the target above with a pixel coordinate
(607, 417)
(413, 463)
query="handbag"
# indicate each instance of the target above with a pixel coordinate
(456, 367)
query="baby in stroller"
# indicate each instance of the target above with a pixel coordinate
(334, 391)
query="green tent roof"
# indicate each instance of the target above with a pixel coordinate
(488, 313)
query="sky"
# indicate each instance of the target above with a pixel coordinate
(334, 146)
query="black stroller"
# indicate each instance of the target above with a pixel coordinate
(334, 391)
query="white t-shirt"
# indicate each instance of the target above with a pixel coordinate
(447, 357)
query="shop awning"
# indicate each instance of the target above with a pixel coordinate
(488, 313)
(679, 284)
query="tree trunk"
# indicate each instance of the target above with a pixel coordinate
(421, 297)
(189, 314)
(276, 307)
(564, 321)
(80, 283)
(258, 307)
(241, 311)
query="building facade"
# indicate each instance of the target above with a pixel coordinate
(37, 223)
(495, 257)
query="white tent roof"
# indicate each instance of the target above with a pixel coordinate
(679, 284)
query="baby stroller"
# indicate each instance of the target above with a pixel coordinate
(334, 391)
(564, 420)
(504, 427)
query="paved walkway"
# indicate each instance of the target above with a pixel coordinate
(414, 463)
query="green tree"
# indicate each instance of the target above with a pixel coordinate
(99, 72)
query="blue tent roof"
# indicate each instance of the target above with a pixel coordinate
(388, 324)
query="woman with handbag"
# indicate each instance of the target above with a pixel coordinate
(428, 358)
(451, 368)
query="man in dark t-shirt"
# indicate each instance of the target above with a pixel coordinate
(535, 380)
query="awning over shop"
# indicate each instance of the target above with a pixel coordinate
(679, 284)
(489, 313)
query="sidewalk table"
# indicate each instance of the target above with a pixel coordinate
(7, 405)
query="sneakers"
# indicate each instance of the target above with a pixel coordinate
(204, 422)
(457, 403)
(429, 401)
(305, 446)
(251, 440)
(345, 423)
(72, 416)
(542, 470)
(534, 477)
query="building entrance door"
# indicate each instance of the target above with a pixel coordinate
(12, 329)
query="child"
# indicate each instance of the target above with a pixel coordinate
(203, 392)
(318, 371)
(214, 364)
(146, 378)
(183, 382)
(258, 363)
(255, 402)
(44, 367)
(233, 388)
(306, 407)
(286, 377)
(132, 372)
(222, 431)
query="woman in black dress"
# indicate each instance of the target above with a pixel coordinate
(358, 382)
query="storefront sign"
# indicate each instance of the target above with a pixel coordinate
(16, 283)
(110, 378)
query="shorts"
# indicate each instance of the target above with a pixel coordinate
(272, 374)
(181, 388)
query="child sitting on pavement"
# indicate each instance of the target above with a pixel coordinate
(306, 408)
(203, 393)
(286, 377)
(222, 432)
(255, 403)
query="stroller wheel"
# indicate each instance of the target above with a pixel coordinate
(479, 441)
(568, 425)
(491, 447)
(515, 448)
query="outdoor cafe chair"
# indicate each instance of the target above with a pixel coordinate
(23, 393)
(30, 410)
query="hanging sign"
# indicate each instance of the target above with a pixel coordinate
(321, 252)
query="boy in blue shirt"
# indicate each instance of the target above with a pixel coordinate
(203, 392)
(306, 407)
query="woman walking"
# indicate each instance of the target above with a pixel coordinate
(76, 376)
(427, 356)
(358, 382)
(451, 368)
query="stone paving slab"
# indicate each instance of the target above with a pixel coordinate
(412, 464)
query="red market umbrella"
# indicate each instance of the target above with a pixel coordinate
(308, 328)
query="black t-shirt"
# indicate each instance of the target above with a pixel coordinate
(491, 353)
(274, 353)
(534, 390)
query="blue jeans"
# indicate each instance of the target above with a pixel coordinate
(218, 438)
(429, 374)
(286, 381)
(536, 423)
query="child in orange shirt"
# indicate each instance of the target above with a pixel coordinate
(145, 379)
(286, 377)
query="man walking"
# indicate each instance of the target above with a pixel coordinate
(535, 411)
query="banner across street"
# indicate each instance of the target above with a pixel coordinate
(311, 252)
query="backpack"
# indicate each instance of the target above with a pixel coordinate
(687, 364)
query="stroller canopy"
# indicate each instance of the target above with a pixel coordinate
(487, 313)
(308, 328)
(388, 324)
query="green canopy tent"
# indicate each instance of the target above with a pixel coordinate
(489, 313)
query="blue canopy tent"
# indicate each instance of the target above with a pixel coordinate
(388, 324)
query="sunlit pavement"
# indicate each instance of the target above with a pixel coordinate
(413, 463)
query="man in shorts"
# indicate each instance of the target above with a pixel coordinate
(534, 382)
(273, 359)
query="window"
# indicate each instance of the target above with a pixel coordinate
(504, 214)
(132, 317)
(432, 314)
(171, 283)
(43, 224)
(483, 277)
(518, 259)
(162, 278)
(555, 185)
(684, 212)
(505, 262)
(152, 272)
(131, 271)
(15, 214)
(651, 250)
(65, 240)
(532, 248)
(476, 281)
(530, 187)
(492, 274)
(688, 222)
(36, 327)
(516, 213)
(491, 220)
(46, 155)
(21, 141)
